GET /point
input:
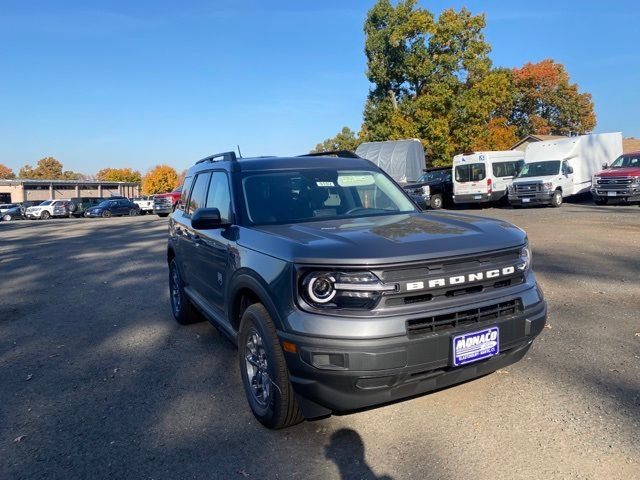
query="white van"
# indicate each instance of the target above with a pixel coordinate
(557, 169)
(482, 177)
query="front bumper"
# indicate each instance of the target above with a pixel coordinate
(479, 197)
(629, 194)
(162, 209)
(331, 375)
(539, 198)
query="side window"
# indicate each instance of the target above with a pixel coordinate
(199, 192)
(219, 197)
(186, 187)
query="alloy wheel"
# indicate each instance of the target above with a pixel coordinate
(257, 367)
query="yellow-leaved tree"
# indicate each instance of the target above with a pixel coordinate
(160, 179)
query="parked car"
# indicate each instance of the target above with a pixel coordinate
(145, 203)
(48, 209)
(13, 213)
(6, 206)
(339, 293)
(483, 177)
(165, 203)
(433, 190)
(557, 169)
(113, 208)
(620, 180)
(77, 206)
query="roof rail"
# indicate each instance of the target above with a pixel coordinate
(224, 156)
(333, 153)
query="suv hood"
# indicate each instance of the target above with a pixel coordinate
(383, 239)
(619, 172)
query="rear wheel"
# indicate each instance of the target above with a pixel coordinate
(133, 212)
(556, 199)
(45, 215)
(436, 202)
(264, 372)
(181, 307)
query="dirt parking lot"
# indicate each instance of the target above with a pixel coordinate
(98, 381)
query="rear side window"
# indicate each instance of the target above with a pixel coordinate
(470, 173)
(219, 196)
(186, 187)
(198, 193)
(507, 169)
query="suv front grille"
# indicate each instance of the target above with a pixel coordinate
(448, 321)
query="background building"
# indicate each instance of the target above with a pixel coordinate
(22, 190)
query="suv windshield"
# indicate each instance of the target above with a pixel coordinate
(540, 169)
(46, 202)
(436, 176)
(627, 161)
(295, 196)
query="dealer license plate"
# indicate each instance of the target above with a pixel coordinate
(611, 194)
(526, 200)
(475, 346)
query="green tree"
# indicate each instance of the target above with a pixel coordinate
(346, 139)
(160, 179)
(119, 175)
(431, 78)
(547, 103)
(6, 173)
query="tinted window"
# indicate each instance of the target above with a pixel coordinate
(470, 173)
(185, 192)
(218, 196)
(198, 193)
(507, 169)
(627, 161)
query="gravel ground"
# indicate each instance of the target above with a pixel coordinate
(98, 381)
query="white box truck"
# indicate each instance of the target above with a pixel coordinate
(557, 169)
(482, 177)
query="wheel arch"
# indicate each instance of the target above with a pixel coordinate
(246, 289)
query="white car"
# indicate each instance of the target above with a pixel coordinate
(145, 204)
(48, 209)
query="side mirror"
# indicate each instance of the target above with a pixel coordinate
(570, 170)
(605, 166)
(206, 219)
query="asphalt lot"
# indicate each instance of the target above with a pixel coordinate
(97, 380)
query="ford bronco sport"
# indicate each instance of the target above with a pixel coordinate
(339, 293)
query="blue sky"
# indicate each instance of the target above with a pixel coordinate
(126, 83)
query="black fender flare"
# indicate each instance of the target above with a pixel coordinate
(250, 280)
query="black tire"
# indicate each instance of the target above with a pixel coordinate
(72, 207)
(7, 218)
(183, 310)
(436, 202)
(106, 214)
(601, 200)
(280, 409)
(163, 215)
(45, 215)
(556, 199)
(133, 212)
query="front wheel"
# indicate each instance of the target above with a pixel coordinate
(264, 372)
(601, 201)
(436, 202)
(556, 199)
(163, 214)
(45, 215)
(106, 214)
(6, 218)
(181, 307)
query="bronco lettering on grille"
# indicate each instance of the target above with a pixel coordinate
(461, 279)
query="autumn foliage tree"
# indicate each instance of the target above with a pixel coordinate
(160, 179)
(547, 103)
(6, 173)
(48, 168)
(119, 175)
(346, 139)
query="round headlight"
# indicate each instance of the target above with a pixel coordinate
(320, 288)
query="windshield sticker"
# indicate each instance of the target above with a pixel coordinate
(355, 180)
(325, 184)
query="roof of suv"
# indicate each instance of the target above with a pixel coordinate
(282, 163)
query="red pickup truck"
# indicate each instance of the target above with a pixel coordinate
(165, 203)
(620, 180)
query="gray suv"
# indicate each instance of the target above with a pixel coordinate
(338, 291)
